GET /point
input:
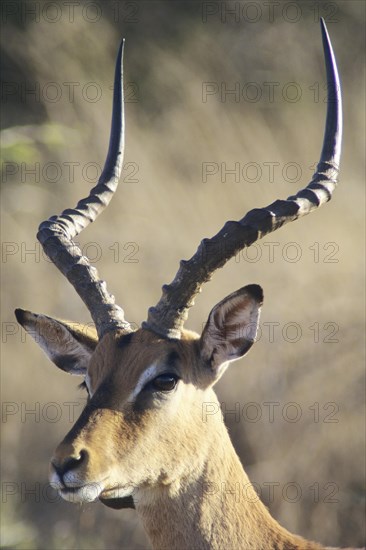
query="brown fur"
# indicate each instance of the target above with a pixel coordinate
(187, 483)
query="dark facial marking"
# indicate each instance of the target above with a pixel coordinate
(125, 340)
(172, 358)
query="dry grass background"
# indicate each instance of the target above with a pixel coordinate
(170, 53)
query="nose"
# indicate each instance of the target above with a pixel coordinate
(64, 462)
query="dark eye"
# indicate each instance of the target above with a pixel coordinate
(164, 382)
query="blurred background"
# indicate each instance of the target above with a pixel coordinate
(225, 109)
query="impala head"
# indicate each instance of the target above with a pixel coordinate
(144, 394)
(144, 422)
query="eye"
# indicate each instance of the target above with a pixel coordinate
(164, 382)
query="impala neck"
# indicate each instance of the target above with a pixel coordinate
(215, 508)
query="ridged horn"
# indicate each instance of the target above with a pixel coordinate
(168, 316)
(57, 233)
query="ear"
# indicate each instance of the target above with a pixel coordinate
(231, 328)
(69, 345)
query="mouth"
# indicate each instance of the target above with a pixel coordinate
(114, 497)
(84, 493)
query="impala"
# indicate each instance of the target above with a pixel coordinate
(142, 440)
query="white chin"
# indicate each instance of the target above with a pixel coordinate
(87, 493)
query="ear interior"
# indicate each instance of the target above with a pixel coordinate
(68, 345)
(231, 328)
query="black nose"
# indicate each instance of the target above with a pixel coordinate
(69, 463)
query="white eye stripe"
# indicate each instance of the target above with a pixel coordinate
(149, 374)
